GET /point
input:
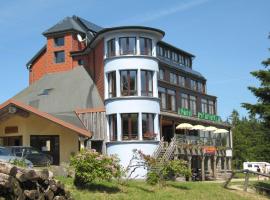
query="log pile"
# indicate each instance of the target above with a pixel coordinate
(27, 184)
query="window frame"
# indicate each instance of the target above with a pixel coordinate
(111, 49)
(146, 50)
(56, 44)
(129, 93)
(146, 129)
(61, 60)
(148, 77)
(130, 135)
(127, 52)
(111, 84)
(113, 127)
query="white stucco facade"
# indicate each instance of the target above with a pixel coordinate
(138, 104)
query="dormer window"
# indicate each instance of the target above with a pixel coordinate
(59, 57)
(60, 41)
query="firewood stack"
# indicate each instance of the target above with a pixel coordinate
(24, 184)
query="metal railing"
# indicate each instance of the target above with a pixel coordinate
(159, 148)
(170, 150)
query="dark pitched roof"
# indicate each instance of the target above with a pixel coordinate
(73, 23)
(90, 26)
(28, 64)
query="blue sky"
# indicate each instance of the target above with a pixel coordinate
(228, 37)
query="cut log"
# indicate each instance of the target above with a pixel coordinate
(5, 180)
(8, 169)
(31, 194)
(49, 194)
(59, 198)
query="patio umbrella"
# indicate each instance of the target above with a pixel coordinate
(185, 126)
(199, 128)
(221, 131)
(210, 128)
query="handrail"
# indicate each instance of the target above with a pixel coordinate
(169, 151)
(159, 148)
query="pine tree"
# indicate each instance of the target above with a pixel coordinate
(262, 93)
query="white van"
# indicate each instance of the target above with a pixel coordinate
(253, 166)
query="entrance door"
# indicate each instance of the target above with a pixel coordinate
(48, 144)
(167, 130)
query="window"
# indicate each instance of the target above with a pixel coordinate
(60, 41)
(211, 105)
(111, 48)
(173, 78)
(167, 54)
(161, 74)
(174, 57)
(184, 101)
(129, 126)
(113, 127)
(145, 46)
(112, 84)
(204, 105)
(59, 56)
(162, 97)
(127, 45)
(160, 51)
(193, 85)
(193, 104)
(128, 82)
(146, 83)
(171, 100)
(148, 126)
(182, 81)
(200, 87)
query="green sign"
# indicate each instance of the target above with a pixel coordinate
(201, 115)
(210, 117)
(184, 111)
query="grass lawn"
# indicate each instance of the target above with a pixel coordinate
(140, 190)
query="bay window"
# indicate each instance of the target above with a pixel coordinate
(146, 83)
(128, 82)
(145, 46)
(193, 85)
(204, 105)
(162, 97)
(161, 74)
(148, 126)
(182, 81)
(111, 48)
(171, 100)
(113, 127)
(129, 126)
(211, 106)
(173, 78)
(127, 45)
(112, 84)
(193, 104)
(200, 87)
(184, 101)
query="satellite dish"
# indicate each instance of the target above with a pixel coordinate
(79, 37)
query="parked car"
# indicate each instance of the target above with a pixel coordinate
(7, 156)
(37, 157)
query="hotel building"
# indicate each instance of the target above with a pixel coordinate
(114, 90)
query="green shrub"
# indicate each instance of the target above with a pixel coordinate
(91, 166)
(18, 162)
(152, 178)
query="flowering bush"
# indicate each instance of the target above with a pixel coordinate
(159, 171)
(91, 166)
